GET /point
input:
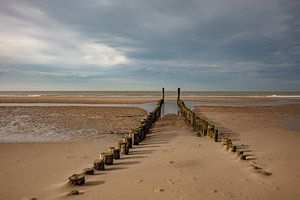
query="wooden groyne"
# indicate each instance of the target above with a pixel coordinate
(206, 128)
(134, 137)
(139, 134)
(203, 127)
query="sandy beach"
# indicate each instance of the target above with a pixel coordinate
(206, 92)
(54, 142)
(172, 163)
(271, 134)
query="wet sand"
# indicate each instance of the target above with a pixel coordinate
(23, 124)
(90, 100)
(227, 99)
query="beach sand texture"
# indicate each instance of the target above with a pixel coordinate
(172, 163)
(65, 123)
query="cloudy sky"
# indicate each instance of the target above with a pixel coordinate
(146, 44)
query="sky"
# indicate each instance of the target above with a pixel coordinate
(205, 45)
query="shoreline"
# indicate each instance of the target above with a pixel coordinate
(133, 100)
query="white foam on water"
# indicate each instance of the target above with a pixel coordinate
(283, 96)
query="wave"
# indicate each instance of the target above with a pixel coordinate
(283, 96)
(34, 95)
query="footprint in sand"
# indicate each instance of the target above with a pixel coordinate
(173, 181)
(168, 150)
(171, 162)
(70, 157)
(157, 190)
(84, 156)
(140, 181)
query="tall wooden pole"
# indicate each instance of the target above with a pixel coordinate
(163, 93)
(178, 93)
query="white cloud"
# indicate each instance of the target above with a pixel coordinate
(31, 37)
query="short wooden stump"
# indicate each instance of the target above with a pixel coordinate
(135, 138)
(88, 171)
(77, 179)
(115, 152)
(129, 141)
(99, 165)
(124, 149)
(107, 157)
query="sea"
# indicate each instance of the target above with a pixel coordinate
(148, 94)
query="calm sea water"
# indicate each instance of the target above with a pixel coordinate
(144, 94)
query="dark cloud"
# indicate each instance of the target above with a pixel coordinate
(221, 44)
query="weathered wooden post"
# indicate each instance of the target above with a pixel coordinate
(107, 157)
(115, 152)
(88, 171)
(99, 164)
(77, 179)
(216, 135)
(163, 94)
(233, 149)
(135, 137)
(178, 93)
(124, 149)
(129, 141)
(127, 145)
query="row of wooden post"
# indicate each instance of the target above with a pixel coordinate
(203, 127)
(139, 134)
(135, 136)
(227, 142)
